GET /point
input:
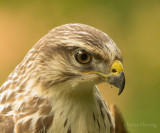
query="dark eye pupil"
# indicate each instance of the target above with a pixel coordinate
(84, 56)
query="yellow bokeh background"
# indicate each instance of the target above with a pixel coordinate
(133, 25)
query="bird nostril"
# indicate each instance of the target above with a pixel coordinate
(114, 70)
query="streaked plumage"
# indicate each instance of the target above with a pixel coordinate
(51, 92)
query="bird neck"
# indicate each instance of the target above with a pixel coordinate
(79, 93)
(77, 110)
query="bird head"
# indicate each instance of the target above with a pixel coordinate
(79, 55)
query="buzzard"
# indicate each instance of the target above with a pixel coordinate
(53, 89)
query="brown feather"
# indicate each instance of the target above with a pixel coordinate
(6, 124)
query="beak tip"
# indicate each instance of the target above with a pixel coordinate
(120, 91)
(122, 87)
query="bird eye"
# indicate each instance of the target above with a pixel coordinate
(83, 57)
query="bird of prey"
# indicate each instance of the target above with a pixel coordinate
(53, 90)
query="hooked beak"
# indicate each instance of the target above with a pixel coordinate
(117, 77)
(118, 81)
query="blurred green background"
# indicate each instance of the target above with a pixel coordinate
(133, 25)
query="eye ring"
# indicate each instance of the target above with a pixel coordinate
(83, 57)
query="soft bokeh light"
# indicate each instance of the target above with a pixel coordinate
(133, 25)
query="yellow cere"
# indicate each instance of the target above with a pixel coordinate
(116, 68)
